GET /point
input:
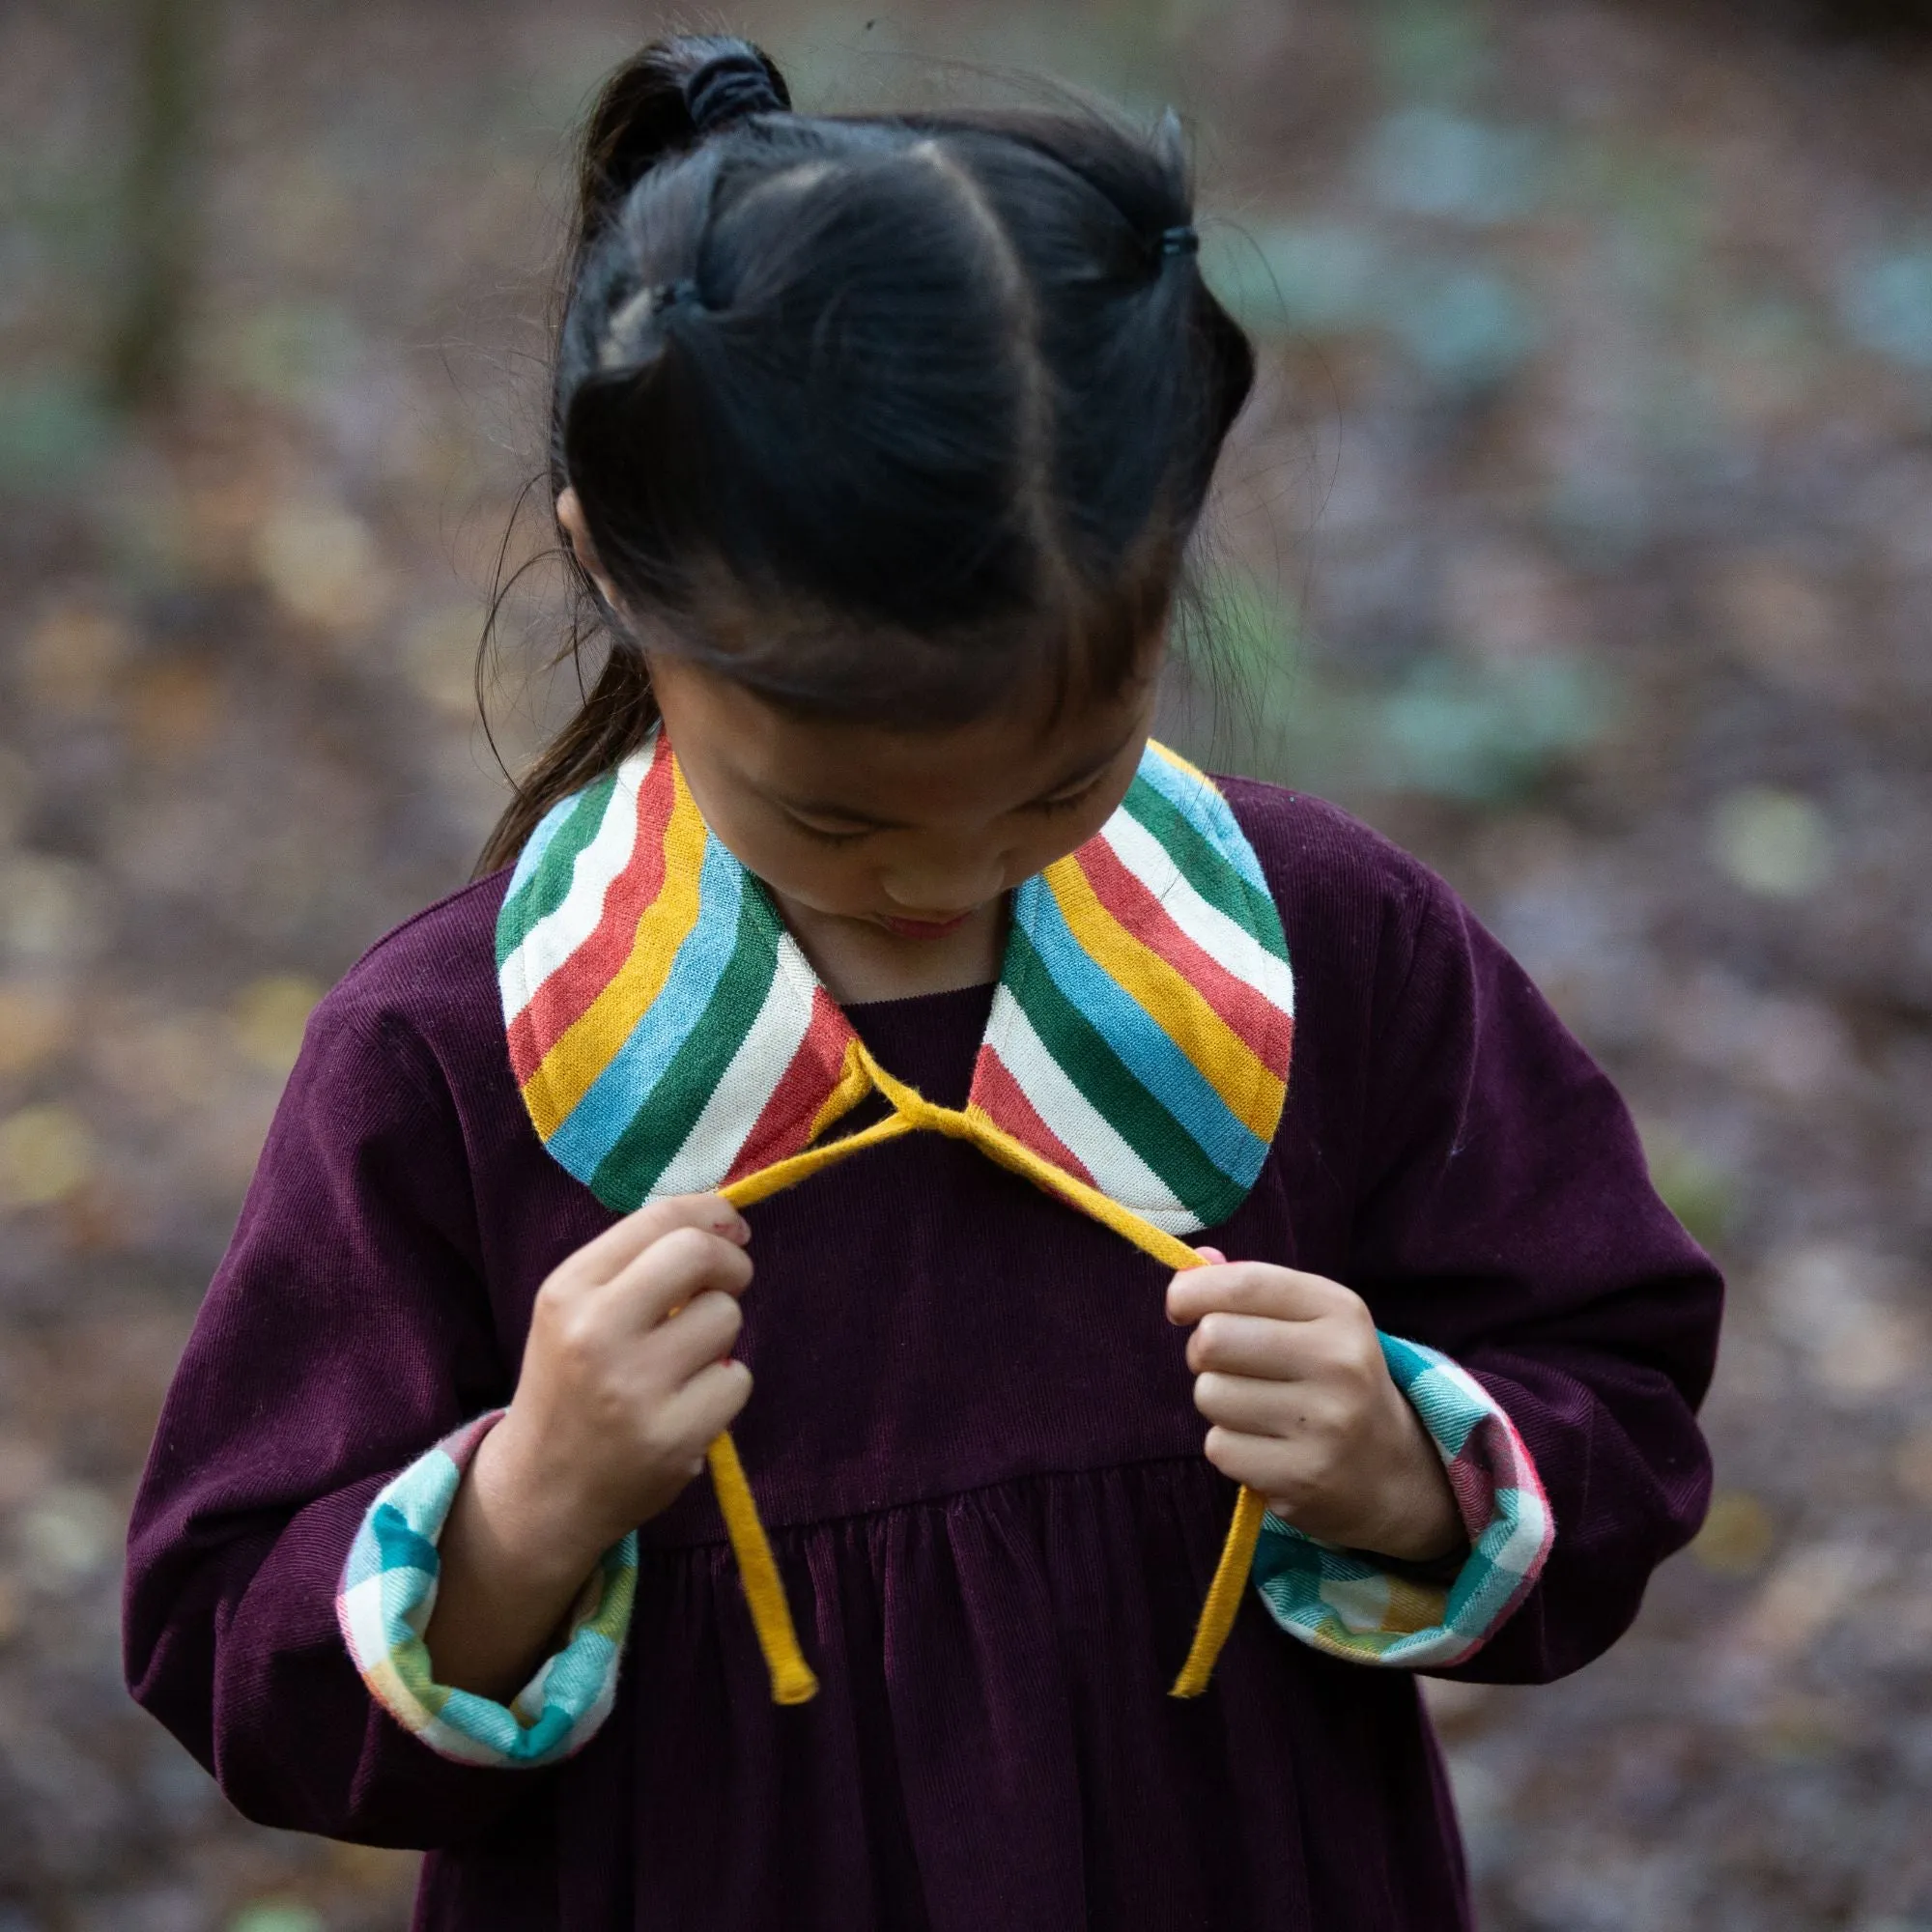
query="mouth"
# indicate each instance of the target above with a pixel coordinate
(924, 928)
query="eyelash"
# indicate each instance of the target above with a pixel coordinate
(822, 837)
(1072, 800)
(1047, 808)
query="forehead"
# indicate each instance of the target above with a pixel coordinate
(1002, 760)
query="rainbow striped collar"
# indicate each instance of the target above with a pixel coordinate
(668, 1035)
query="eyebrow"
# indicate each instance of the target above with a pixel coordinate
(827, 808)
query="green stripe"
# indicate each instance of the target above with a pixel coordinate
(627, 1173)
(1113, 1093)
(612, 1615)
(410, 1659)
(547, 888)
(1205, 867)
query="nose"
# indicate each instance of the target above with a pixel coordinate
(942, 887)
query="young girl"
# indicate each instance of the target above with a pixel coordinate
(859, 890)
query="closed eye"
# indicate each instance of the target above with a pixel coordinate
(1067, 801)
(820, 835)
(1046, 808)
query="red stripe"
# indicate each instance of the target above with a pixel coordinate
(805, 1086)
(1002, 1099)
(1248, 1012)
(1472, 1482)
(567, 993)
(1495, 1442)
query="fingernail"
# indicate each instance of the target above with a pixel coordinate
(735, 1228)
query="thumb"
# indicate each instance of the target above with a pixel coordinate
(1213, 1256)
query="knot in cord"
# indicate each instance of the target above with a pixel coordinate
(792, 1678)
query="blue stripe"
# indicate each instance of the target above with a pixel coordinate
(1444, 1406)
(1207, 812)
(364, 1559)
(401, 1545)
(538, 844)
(1142, 1044)
(576, 1678)
(624, 1087)
(578, 1674)
(494, 1726)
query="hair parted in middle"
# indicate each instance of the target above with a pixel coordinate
(882, 416)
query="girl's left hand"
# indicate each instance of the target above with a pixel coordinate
(1287, 1369)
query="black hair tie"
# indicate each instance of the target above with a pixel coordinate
(730, 88)
(1181, 240)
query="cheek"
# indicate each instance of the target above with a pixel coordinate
(834, 880)
(1037, 845)
(817, 875)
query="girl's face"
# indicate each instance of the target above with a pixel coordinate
(886, 846)
(891, 853)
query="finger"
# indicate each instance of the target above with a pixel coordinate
(1253, 1288)
(705, 1407)
(700, 1332)
(1253, 1408)
(672, 1270)
(621, 1243)
(1278, 1469)
(1212, 1255)
(1255, 1345)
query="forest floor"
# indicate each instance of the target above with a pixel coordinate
(1580, 538)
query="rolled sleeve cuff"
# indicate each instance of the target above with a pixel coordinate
(1346, 1603)
(387, 1598)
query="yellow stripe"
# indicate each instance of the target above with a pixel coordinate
(569, 1069)
(1251, 1088)
(1413, 1607)
(1175, 760)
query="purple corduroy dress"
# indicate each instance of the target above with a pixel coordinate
(973, 1439)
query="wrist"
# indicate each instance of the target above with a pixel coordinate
(537, 1519)
(1418, 1523)
(1424, 1539)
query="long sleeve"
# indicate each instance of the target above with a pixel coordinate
(346, 1331)
(1506, 1219)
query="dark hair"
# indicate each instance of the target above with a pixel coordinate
(879, 415)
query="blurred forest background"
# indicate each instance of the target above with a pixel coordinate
(1580, 538)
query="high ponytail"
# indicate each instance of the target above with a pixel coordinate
(660, 103)
(880, 417)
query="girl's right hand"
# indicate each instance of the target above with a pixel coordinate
(626, 1374)
(625, 1381)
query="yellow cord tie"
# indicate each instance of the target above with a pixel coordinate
(792, 1679)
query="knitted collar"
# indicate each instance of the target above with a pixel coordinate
(668, 1035)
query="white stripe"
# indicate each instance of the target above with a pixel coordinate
(1224, 940)
(739, 1099)
(447, 1740)
(557, 936)
(364, 1619)
(1117, 1169)
(1362, 1603)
